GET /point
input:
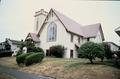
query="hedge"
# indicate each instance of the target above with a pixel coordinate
(5, 53)
(21, 58)
(34, 58)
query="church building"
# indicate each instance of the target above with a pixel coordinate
(53, 28)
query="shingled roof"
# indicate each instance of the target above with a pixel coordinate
(117, 30)
(76, 28)
(15, 42)
(33, 37)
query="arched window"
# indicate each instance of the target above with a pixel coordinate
(52, 32)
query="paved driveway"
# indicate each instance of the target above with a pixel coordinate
(21, 75)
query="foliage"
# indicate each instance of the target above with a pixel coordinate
(29, 44)
(100, 51)
(90, 51)
(22, 45)
(108, 52)
(34, 58)
(29, 58)
(37, 49)
(7, 45)
(21, 58)
(5, 53)
(57, 51)
(19, 52)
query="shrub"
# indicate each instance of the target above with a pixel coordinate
(37, 49)
(100, 51)
(90, 51)
(108, 52)
(19, 53)
(5, 53)
(34, 58)
(21, 58)
(57, 51)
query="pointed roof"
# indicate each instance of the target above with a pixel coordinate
(76, 28)
(91, 30)
(70, 24)
(33, 37)
(15, 41)
(117, 30)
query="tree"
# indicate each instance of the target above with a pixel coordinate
(100, 51)
(108, 52)
(90, 51)
(29, 44)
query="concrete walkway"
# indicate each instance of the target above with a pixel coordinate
(21, 75)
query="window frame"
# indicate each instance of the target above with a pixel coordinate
(71, 37)
(53, 28)
(78, 39)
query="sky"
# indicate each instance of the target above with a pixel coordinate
(17, 16)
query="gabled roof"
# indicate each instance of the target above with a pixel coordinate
(76, 28)
(33, 37)
(117, 30)
(15, 42)
(91, 30)
(70, 24)
(112, 43)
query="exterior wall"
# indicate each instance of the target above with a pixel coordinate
(2, 46)
(13, 47)
(63, 37)
(114, 47)
(40, 18)
(97, 39)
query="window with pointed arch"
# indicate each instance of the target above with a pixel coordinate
(52, 32)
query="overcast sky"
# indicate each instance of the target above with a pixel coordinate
(17, 16)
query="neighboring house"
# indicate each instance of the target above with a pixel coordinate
(114, 47)
(117, 30)
(54, 28)
(2, 46)
(14, 44)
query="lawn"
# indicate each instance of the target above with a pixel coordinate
(61, 68)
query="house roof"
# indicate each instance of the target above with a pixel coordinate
(33, 37)
(70, 24)
(76, 28)
(91, 30)
(117, 30)
(113, 44)
(15, 41)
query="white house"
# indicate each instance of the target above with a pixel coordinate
(2, 46)
(54, 28)
(113, 47)
(15, 45)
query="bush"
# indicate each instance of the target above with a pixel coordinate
(19, 53)
(57, 51)
(21, 58)
(5, 53)
(108, 52)
(37, 49)
(90, 51)
(34, 58)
